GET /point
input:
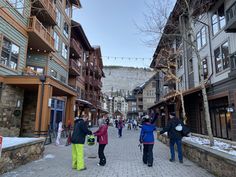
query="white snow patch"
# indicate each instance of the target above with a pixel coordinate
(49, 156)
(218, 145)
(13, 141)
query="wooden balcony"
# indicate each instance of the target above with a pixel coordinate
(74, 69)
(39, 37)
(75, 48)
(45, 11)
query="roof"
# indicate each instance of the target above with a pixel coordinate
(77, 28)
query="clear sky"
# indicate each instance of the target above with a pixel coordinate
(111, 24)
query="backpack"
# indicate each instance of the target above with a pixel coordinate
(185, 131)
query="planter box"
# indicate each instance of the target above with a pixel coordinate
(14, 156)
(216, 162)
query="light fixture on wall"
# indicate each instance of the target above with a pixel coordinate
(230, 108)
(18, 103)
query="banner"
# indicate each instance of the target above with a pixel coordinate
(1, 140)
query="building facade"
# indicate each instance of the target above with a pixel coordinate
(213, 29)
(37, 67)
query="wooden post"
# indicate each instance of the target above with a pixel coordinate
(70, 109)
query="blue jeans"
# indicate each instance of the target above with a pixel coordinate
(120, 132)
(179, 148)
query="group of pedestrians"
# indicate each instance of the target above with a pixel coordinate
(146, 138)
(78, 139)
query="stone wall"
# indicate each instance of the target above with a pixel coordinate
(10, 123)
(216, 162)
(29, 114)
(15, 156)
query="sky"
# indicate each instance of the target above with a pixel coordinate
(111, 25)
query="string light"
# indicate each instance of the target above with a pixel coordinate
(124, 58)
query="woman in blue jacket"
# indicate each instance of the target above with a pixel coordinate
(147, 139)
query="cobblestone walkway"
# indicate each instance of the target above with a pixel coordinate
(123, 160)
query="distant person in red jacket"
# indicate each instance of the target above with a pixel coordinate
(102, 136)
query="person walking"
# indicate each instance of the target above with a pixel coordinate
(120, 126)
(147, 139)
(102, 136)
(175, 136)
(78, 139)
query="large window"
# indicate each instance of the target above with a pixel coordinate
(179, 62)
(66, 30)
(18, 5)
(58, 17)
(201, 38)
(56, 41)
(222, 57)
(64, 51)
(10, 54)
(218, 20)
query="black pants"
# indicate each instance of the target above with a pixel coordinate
(120, 132)
(148, 154)
(101, 154)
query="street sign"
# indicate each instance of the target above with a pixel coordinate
(1, 145)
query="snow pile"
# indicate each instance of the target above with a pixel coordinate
(13, 141)
(218, 145)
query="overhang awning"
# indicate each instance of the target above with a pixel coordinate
(32, 83)
(84, 102)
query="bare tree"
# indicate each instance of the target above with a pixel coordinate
(164, 28)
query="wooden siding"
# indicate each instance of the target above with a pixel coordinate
(19, 39)
(34, 59)
(15, 14)
(58, 68)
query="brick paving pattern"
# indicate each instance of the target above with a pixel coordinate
(124, 159)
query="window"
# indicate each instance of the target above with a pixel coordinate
(190, 65)
(58, 18)
(205, 68)
(38, 70)
(67, 9)
(153, 84)
(56, 39)
(64, 51)
(201, 38)
(10, 54)
(53, 73)
(66, 29)
(180, 82)
(18, 5)
(63, 79)
(180, 61)
(218, 20)
(222, 57)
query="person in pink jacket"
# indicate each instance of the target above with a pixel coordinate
(102, 136)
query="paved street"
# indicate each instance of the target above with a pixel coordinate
(123, 160)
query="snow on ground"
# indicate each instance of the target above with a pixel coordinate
(218, 145)
(13, 141)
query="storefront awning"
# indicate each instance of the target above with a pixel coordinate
(84, 102)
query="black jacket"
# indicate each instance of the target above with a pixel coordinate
(170, 129)
(80, 131)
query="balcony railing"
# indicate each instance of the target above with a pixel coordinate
(75, 47)
(47, 11)
(39, 37)
(74, 68)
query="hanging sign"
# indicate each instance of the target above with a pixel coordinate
(1, 140)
